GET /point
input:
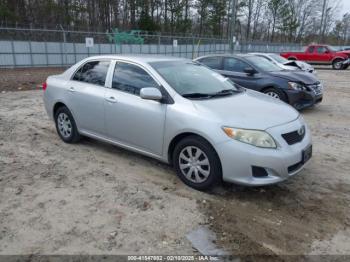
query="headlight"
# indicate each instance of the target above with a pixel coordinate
(253, 137)
(296, 86)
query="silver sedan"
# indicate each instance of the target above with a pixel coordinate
(182, 113)
(287, 64)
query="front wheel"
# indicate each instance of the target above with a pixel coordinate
(337, 64)
(196, 163)
(275, 93)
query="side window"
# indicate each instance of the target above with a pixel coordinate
(235, 65)
(94, 72)
(213, 62)
(130, 78)
(267, 58)
(311, 49)
(321, 50)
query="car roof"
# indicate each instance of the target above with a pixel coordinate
(226, 55)
(142, 58)
(266, 54)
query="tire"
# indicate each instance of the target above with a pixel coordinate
(203, 176)
(276, 93)
(345, 67)
(65, 125)
(337, 65)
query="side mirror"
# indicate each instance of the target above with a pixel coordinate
(326, 52)
(150, 93)
(249, 71)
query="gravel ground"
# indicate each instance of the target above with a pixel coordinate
(94, 198)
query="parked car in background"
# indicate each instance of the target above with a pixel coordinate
(320, 55)
(285, 63)
(298, 88)
(346, 64)
(182, 113)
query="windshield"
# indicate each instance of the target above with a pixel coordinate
(333, 49)
(278, 58)
(189, 78)
(263, 64)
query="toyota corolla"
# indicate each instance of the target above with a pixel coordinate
(181, 113)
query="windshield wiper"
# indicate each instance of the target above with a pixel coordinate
(224, 92)
(197, 95)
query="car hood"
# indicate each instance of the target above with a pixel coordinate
(249, 110)
(296, 76)
(347, 52)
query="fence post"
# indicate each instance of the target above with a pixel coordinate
(64, 51)
(13, 53)
(46, 54)
(158, 47)
(30, 50)
(193, 48)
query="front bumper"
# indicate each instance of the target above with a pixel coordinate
(346, 62)
(238, 159)
(303, 99)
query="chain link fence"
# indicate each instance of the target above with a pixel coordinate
(37, 47)
(42, 47)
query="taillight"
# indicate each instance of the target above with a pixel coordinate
(44, 86)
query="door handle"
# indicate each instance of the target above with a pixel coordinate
(71, 89)
(111, 99)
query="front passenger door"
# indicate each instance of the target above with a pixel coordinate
(322, 55)
(234, 69)
(131, 120)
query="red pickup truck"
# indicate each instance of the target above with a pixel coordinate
(321, 55)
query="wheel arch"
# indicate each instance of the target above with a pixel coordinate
(181, 136)
(56, 106)
(338, 58)
(59, 104)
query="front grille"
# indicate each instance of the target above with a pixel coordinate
(293, 137)
(316, 88)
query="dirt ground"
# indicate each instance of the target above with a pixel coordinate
(21, 79)
(94, 198)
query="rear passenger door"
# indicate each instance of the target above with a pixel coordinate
(309, 55)
(234, 69)
(86, 92)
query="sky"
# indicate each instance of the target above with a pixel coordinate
(344, 7)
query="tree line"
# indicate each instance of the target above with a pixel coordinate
(247, 20)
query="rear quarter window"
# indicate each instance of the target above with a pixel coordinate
(212, 62)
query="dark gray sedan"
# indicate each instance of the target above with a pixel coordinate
(299, 89)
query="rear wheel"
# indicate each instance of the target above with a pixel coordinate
(275, 93)
(337, 64)
(196, 163)
(65, 125)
